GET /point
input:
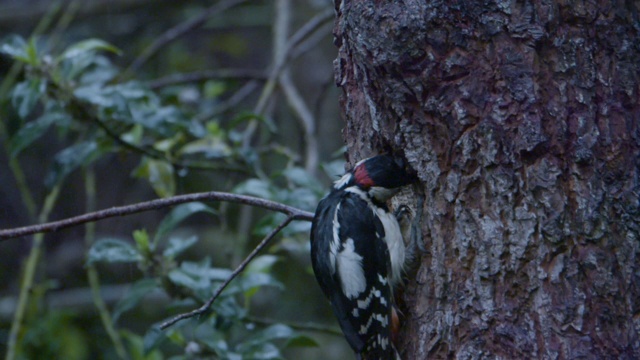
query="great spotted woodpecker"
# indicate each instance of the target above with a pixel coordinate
(358, 254)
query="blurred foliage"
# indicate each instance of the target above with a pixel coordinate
(75, 108)
(190, 284)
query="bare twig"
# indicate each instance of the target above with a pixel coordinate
(292, 96)
(92, 272)
(28, 277)
(199, 76)
(179, 30)
(235, 273)
(306, 118)
(295, 47)
(296, 39)
(231, 102)
(294, 213)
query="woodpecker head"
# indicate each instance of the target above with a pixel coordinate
(380, 176)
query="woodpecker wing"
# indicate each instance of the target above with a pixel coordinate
(354, 274)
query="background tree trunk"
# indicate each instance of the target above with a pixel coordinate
(522, 121)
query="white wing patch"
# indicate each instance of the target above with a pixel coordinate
(335, 242)
(350, 271)
(393, 236)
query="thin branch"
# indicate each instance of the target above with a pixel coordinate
(199, 76)
(180, 30)
(235, 273)
(28, 277)
(231, 102)
(279, 64)
(293, 97)
(295, 47)
(312, 41)
(294, 213)
(306, 118)
(92, 272)
(294, 41)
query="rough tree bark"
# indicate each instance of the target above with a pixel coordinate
(522, 120)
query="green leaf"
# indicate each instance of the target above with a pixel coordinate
(266, 351)
(96, 95)
(141, 238)
(32, 52)
(26, 95)
(160, 175)
(251, 283)
(303, 197)
(198, 277)
(302, 341)
(213, 88)
(216, 341)
(255, 187)
(204, 269)
(133, 297)
(211, 147)
(189, 281)
(246, 117)
(136, 347)
(34, 130)
(88, 45)
(153, 339)
(177, 245)
(302, 178)
(261, 264)
(70, 159)
(161, 178)
(113, 251)
(134, 136)
(271, 333)
(16, 47)
(179, 214)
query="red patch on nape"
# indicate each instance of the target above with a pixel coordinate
(362, 177)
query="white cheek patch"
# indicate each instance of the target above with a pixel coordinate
(382, 194)
(350, 271)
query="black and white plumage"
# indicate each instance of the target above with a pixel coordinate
(358, 253)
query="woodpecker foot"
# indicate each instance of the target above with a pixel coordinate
(411, 224)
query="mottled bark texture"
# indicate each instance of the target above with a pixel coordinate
(522, 120)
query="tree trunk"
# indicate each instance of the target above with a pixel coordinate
(521, 119)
